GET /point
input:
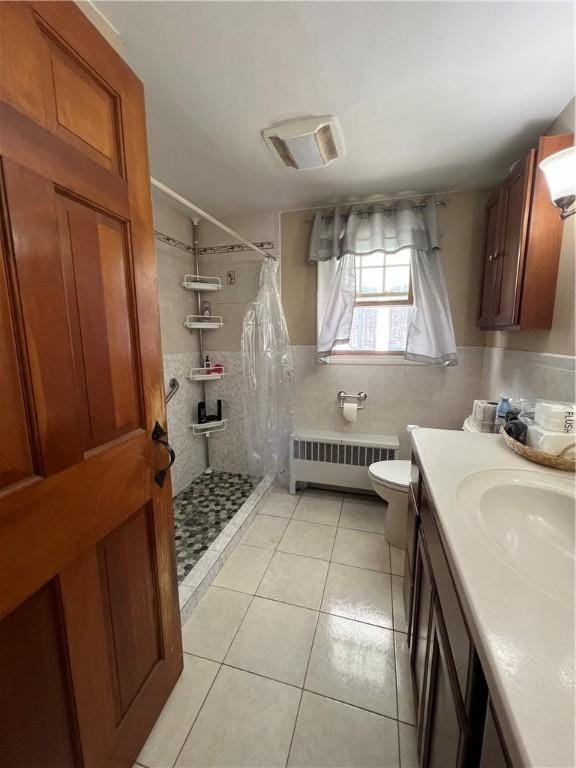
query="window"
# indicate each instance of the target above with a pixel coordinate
(383, 304)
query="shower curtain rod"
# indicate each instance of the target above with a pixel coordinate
(207, 217)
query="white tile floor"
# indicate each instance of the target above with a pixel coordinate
(296, 655)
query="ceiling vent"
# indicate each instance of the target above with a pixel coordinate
(303, 144)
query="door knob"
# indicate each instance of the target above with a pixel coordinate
(158, 435)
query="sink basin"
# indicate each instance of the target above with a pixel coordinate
(526, 518)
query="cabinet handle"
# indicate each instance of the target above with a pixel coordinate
(493, 256)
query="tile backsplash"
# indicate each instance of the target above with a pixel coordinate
(528, 374)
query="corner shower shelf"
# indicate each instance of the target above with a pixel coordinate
(209, 427)
(203, 322)
(201, 283)
(199, 374)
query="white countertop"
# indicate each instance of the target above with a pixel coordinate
(525, 639)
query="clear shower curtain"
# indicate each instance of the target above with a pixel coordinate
(268, 369)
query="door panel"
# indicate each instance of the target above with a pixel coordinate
(99, 293)
(419, 632)
(491, 252)
(514, 226)
(85, 109)
(26, 78)
(445, 734)
(32, 215)
(37, 708)
(494, 754)
(80, 513)
(15, 447)
(446, 730)
(126, 560)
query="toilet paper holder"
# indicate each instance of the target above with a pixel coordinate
(342, 397)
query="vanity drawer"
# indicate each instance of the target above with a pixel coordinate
(459, 639)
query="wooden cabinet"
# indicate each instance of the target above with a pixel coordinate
(442, 729)
(494, 754)
(455, 724)
(420, 625)
(522, 242)
(490, 257)
(445, 731)
(514, 211)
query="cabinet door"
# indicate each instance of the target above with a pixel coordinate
(491, 249)
(409, 558)
(420, 627)
(515, 209)
(494, 753)
(444, 733)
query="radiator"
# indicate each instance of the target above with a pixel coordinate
(339, 459)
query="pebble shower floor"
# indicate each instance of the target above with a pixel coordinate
(202, 510)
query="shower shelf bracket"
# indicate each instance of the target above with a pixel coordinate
(201, 283)
(200, 374)
(203, 322)
(209, 427)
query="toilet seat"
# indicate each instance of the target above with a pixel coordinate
(392, 474)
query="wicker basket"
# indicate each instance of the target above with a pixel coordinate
(554, 461)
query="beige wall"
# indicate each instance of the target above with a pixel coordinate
(461, 225)
(560, 339)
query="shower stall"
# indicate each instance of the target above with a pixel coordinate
(229, 408)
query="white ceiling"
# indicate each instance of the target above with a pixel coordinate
(431, 96)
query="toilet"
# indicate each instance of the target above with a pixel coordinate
(390, 480)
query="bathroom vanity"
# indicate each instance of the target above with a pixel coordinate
(489, 592)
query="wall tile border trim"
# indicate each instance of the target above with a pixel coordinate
(268, 245)
(173, 242)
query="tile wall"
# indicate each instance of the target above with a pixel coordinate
(397, 394)
(190, 452)
(528, 374)
(220, 255)
(180, 347)
(228, 449)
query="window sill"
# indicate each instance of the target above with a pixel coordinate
(370, 359)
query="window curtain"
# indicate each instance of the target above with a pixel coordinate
(336, 283)
(336, 241)
(430, 329)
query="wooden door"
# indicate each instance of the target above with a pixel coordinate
(516, 195)
(491, 251)
(89, 624)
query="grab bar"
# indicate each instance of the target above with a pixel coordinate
(173, 387)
